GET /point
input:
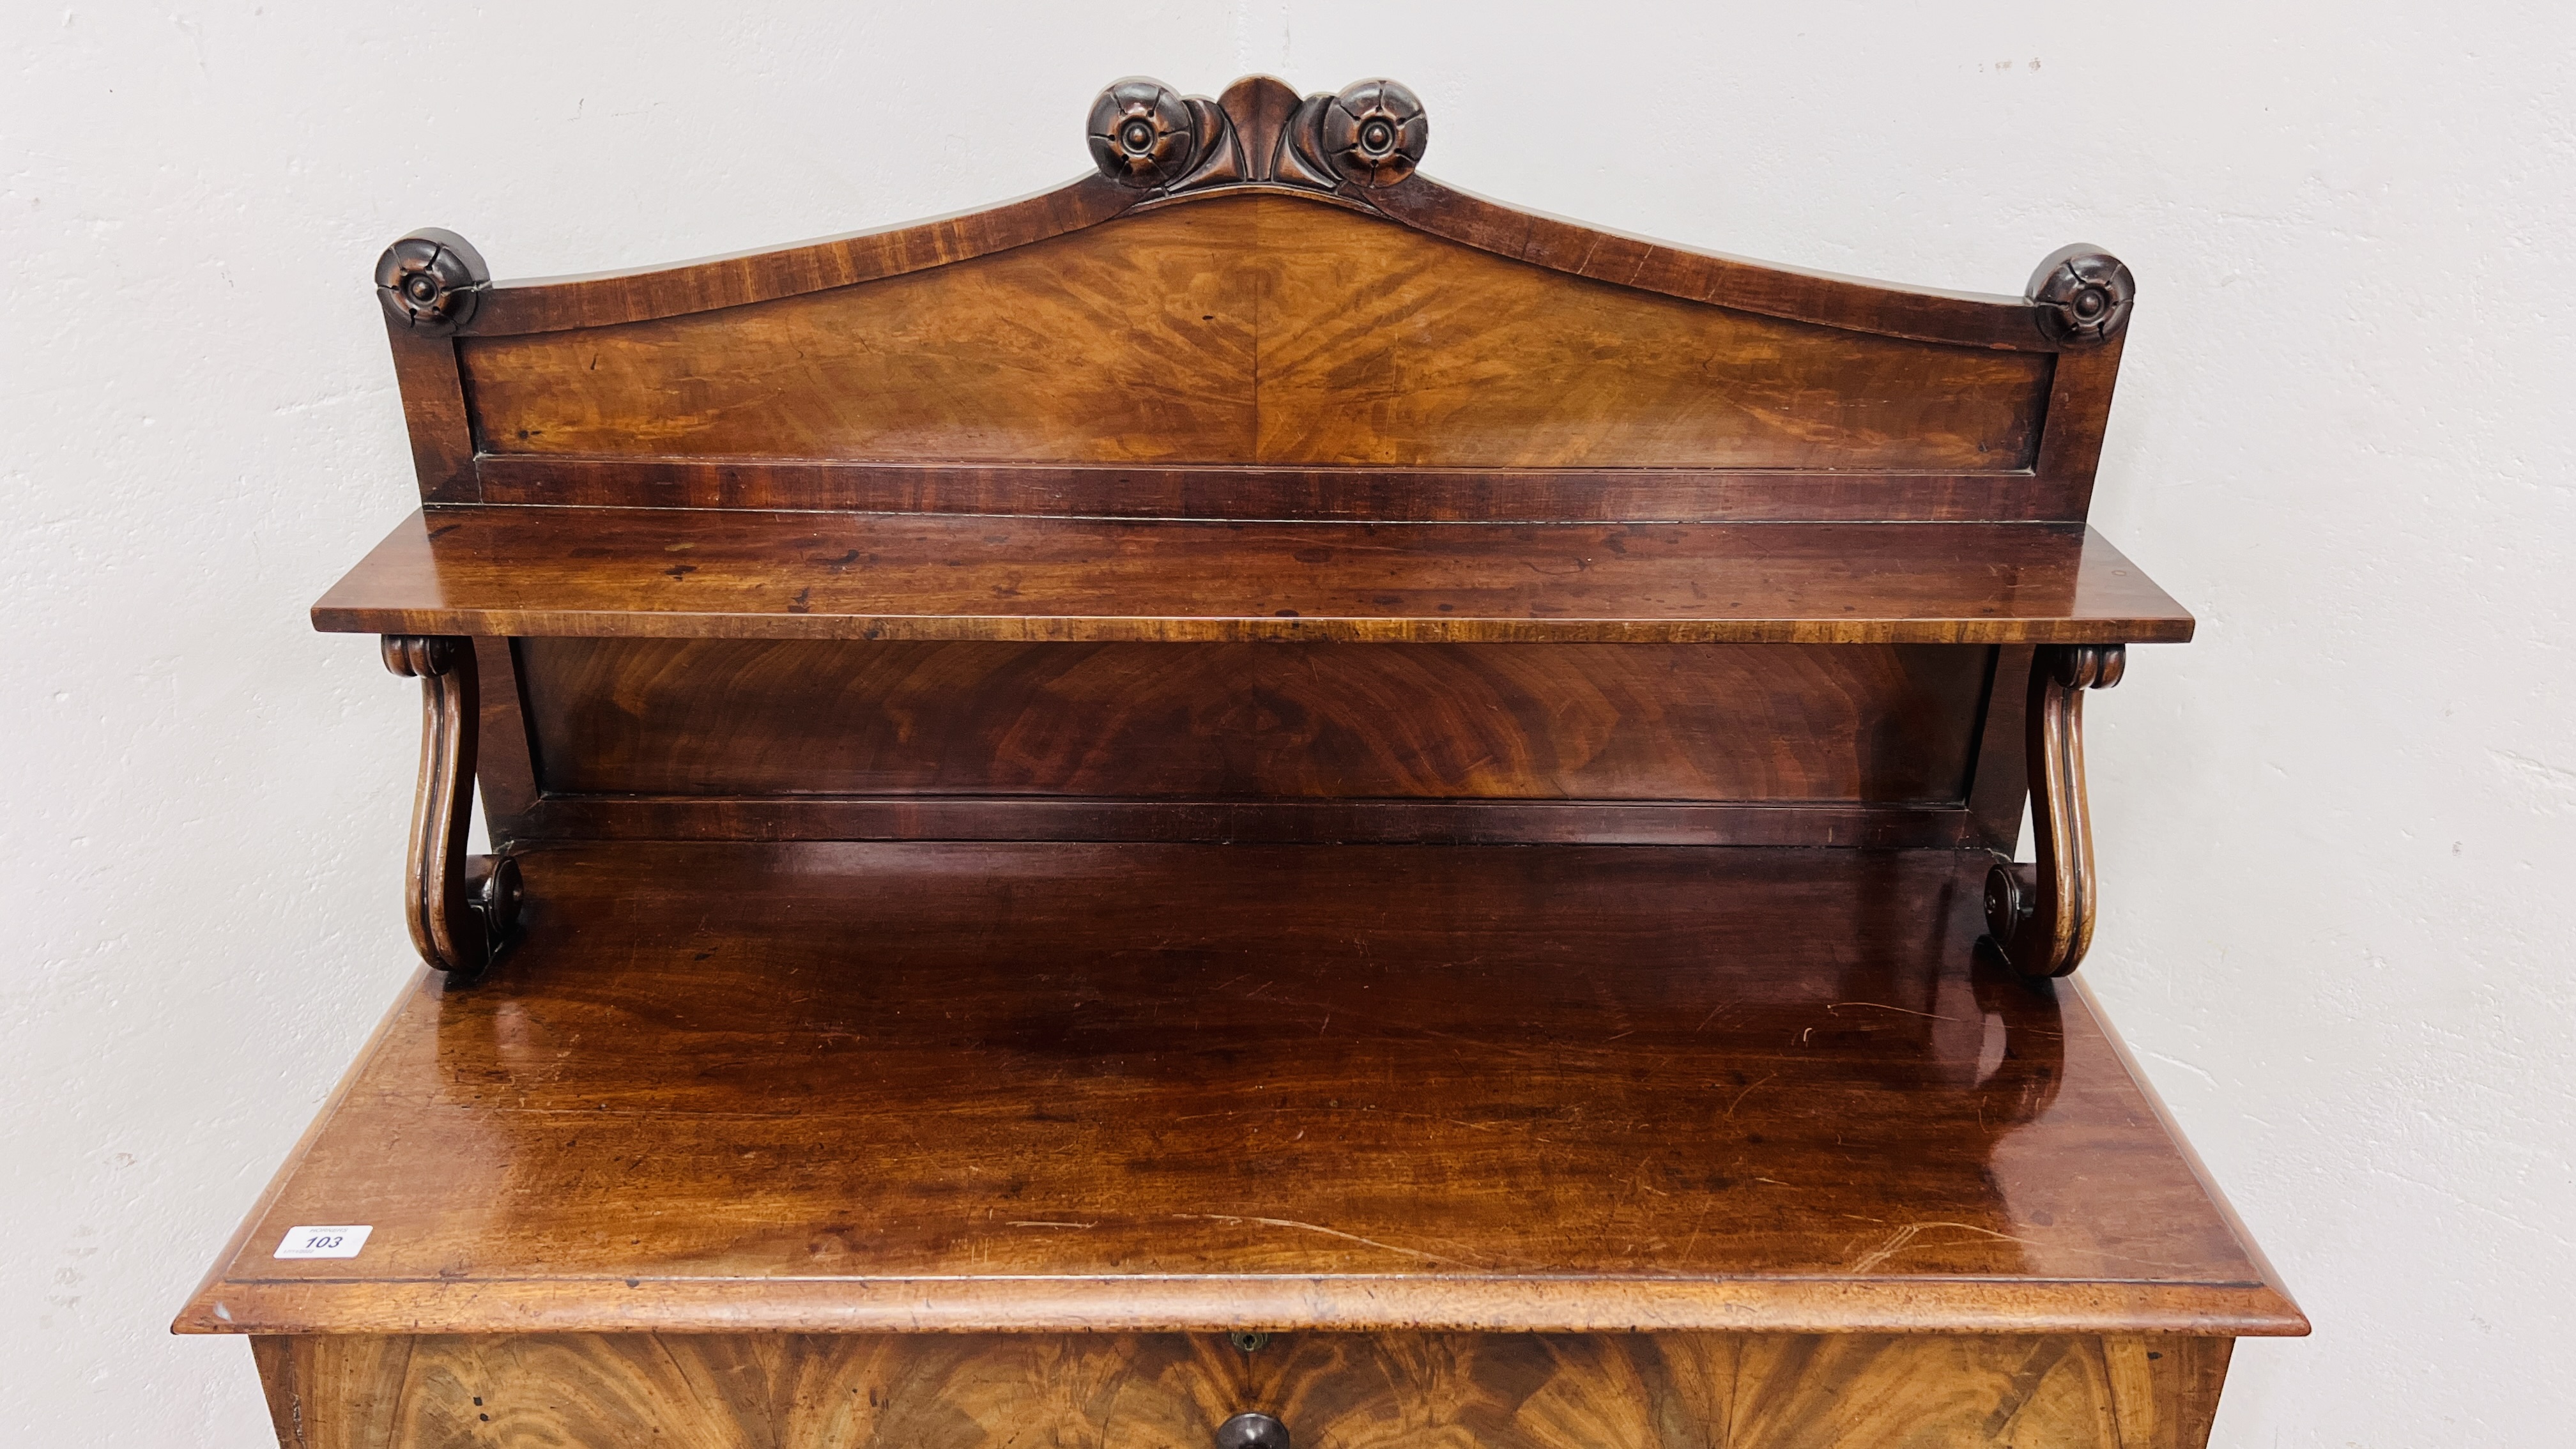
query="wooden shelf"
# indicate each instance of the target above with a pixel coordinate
(733, 1087)
(674, 573)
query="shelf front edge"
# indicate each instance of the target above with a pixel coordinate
(643, 573)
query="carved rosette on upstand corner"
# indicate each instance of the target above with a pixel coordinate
(431, 281)
(2083, 295)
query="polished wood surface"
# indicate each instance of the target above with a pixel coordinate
(1331, 1391)
(442, 432)
(1769, 722)
(546, 304)
(1007, 959)
(1259, 288)
(1812, 745)
(1261, 108)
(1965, 318)
(2039, 916)
(462, 909)
(1275, 820)
(1257, 330)
(671, 574)
(1687, 494)
(1068, 1087)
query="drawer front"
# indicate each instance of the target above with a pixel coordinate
(1172, 1391)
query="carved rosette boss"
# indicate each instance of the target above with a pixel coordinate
(431, 280)
(2083, 294)
(1373, 133)
(1143, 135)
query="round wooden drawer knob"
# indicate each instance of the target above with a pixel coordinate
(1252, 1431)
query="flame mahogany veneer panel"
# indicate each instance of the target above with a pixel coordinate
(1256, 330)
(1334, 1391)
(1252, 493)
(1231, 721)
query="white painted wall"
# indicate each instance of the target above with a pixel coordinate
(2337, 830)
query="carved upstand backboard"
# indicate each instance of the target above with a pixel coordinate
(1250, 802)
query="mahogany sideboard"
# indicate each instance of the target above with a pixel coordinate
(1253, 802)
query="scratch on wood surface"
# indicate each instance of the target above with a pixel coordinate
(1319, 1228)
(1042, 1223)
(1903, 1238)
(1883, 1006)
(1740, 1096)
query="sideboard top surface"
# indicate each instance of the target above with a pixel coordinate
(1076, 1086)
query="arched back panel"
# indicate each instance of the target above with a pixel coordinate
(1264, 332)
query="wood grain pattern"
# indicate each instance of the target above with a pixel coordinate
(545, 304)
(979, 1133)
(462, 909)
(435, 414)
(1273, 820)
(1395, 348)
(2040, 916)
(1068, 1087)
(1067, 350)
(1259, 107)
(1256, 494)
(1333, 1391)
(1257, 330)
(1315, 721)
(1998, 781)
(1767, 288)
(2079, 413)
(505, 766)
(666, 574)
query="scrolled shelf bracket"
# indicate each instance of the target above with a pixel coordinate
(2039, 917)
(463, 910)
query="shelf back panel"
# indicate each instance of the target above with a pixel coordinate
(723, 722)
